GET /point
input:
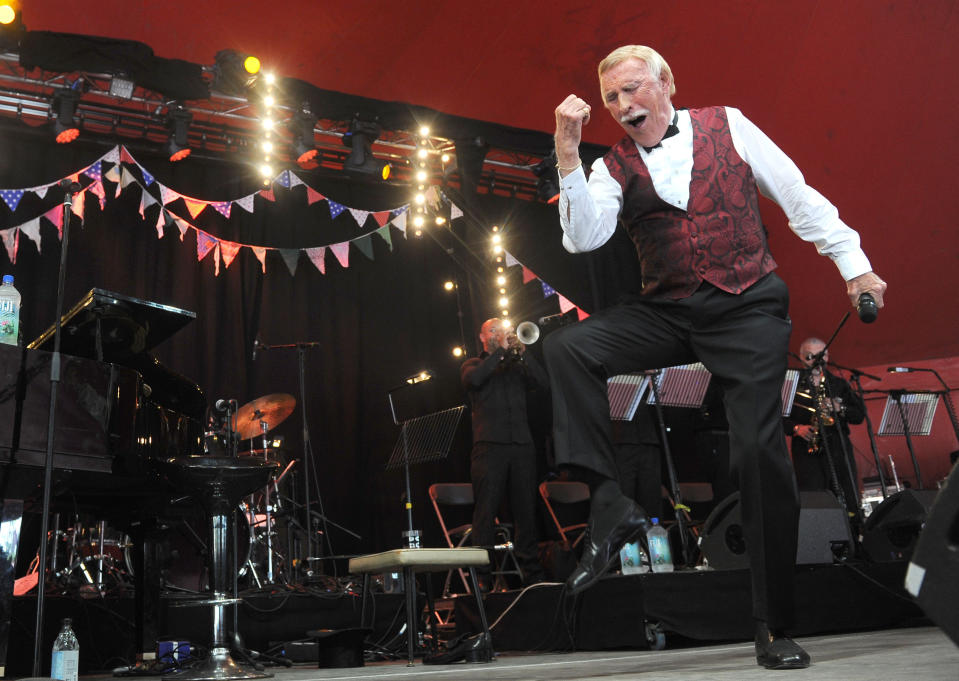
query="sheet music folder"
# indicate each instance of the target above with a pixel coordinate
(127, 326)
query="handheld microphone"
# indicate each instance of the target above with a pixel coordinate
(867, 309)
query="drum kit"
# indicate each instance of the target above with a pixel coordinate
(93, 559)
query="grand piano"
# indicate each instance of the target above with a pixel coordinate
(119, 411)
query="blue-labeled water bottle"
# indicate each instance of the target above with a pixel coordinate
(66, 654)
(9, 312)
(660, 556)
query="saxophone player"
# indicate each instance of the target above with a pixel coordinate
(819, 426)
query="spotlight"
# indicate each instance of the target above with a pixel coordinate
(420, 377)
(457, 351)
(231, 74)
(11, 27)
(178, 121)
(504, 301)
(362, 133)
(304, 145)
(449, 285)
(501, 280)
(7, 14)
(121, 86)
(65, 109)
(547, 184)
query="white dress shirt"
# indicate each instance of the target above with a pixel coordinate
(590, 209)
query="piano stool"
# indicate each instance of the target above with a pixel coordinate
(412, 561)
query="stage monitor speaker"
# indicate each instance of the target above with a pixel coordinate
(933, 574)
(891, 531)
(824, 534)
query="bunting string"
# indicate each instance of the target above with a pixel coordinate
(565, 304)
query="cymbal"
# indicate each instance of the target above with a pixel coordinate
(271, 409)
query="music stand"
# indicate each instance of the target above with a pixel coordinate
(903, 410)
(625, 393)
(681, 386)
(422, 439)
(788, 394)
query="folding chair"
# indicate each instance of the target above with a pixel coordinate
(565, 493)
(460, 494)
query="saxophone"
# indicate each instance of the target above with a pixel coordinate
(822, 417)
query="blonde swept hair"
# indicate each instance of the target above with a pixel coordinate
(653, 60)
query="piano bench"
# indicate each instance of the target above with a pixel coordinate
(411, 561)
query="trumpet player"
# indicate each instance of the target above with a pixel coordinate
(503, 459)
(819, 425)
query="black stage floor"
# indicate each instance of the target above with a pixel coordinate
(633, 612)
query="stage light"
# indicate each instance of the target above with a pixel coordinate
(270, 78)
(445, 158)
(304, 144)
(421, 176)
(457, 351)
(547, 184)
(505, 315)
(268, 124)
(495, 228)
(497, 238)
(497, 249)
(267, 146)
(420, 199)
(449, 285)
(251, 65)
(506, 322)
(65, 109)
(504, 301)
(178, 121)
(499, 269)
(121, 86)
(360, 137)
(419, 378)
(418, 221)
(440, 220)
(501, 281)
(7, 14)
(503, 290)
(230, 73)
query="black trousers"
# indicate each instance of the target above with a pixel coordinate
(743, 340)
(640, 475)
(506, 471)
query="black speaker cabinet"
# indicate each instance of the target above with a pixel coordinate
(891, 531)
(824, 533)
(933, 573)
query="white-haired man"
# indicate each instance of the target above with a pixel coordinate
(685, 185)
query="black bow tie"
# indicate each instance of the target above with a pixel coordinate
(671, 130)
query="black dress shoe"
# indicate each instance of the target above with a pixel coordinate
(599, 556)
(478, 648)
(778, 652)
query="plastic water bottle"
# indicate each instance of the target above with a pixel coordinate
(632, 559)
(66, 654)
(9, 312)
(659, 554)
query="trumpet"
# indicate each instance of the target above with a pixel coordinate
(527, 333)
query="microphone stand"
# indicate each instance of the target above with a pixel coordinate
(856, 376)
(70, 188)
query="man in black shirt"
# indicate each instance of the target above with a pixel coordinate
(503, 456)
(818, 446)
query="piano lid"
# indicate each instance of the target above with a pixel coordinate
(123, 325)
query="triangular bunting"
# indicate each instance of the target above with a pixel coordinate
(335, 208)
(283, 179)
(222, 207)
(147, 177)
(295, 180)
(384, 232)
(245, 202)
(11, 241)
(312, 196)
(564, 303)
(581, 313)
(94, 171)
(32, 229)
(455, 212)
(167, 195)
(182, 225)
(260, 254)
(528, 275)
(268, 194)
(342, 253)
(400, 223)
(359, 215)
(365, 244)
(11, 197)
(547, 289)
(316, 256)
(510, 260)
(96, 188)
(125, 156)
(79, 199)
(147, 200)
(228, 251)
(291, 257)
(216, 260)
(113, 174)
(55, 215)
(112, 156)
(204, 244)
(195, 206)
(161, 222)
(41, 191)
(381, 217)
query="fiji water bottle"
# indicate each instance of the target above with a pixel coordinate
(9, 312)
(66, 654)
(659, 554)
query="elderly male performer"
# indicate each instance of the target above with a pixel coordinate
(684, 184)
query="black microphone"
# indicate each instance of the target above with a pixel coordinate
(866, 307)
(222, 405)
(69, 186)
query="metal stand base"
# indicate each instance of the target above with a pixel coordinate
(219, 665)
